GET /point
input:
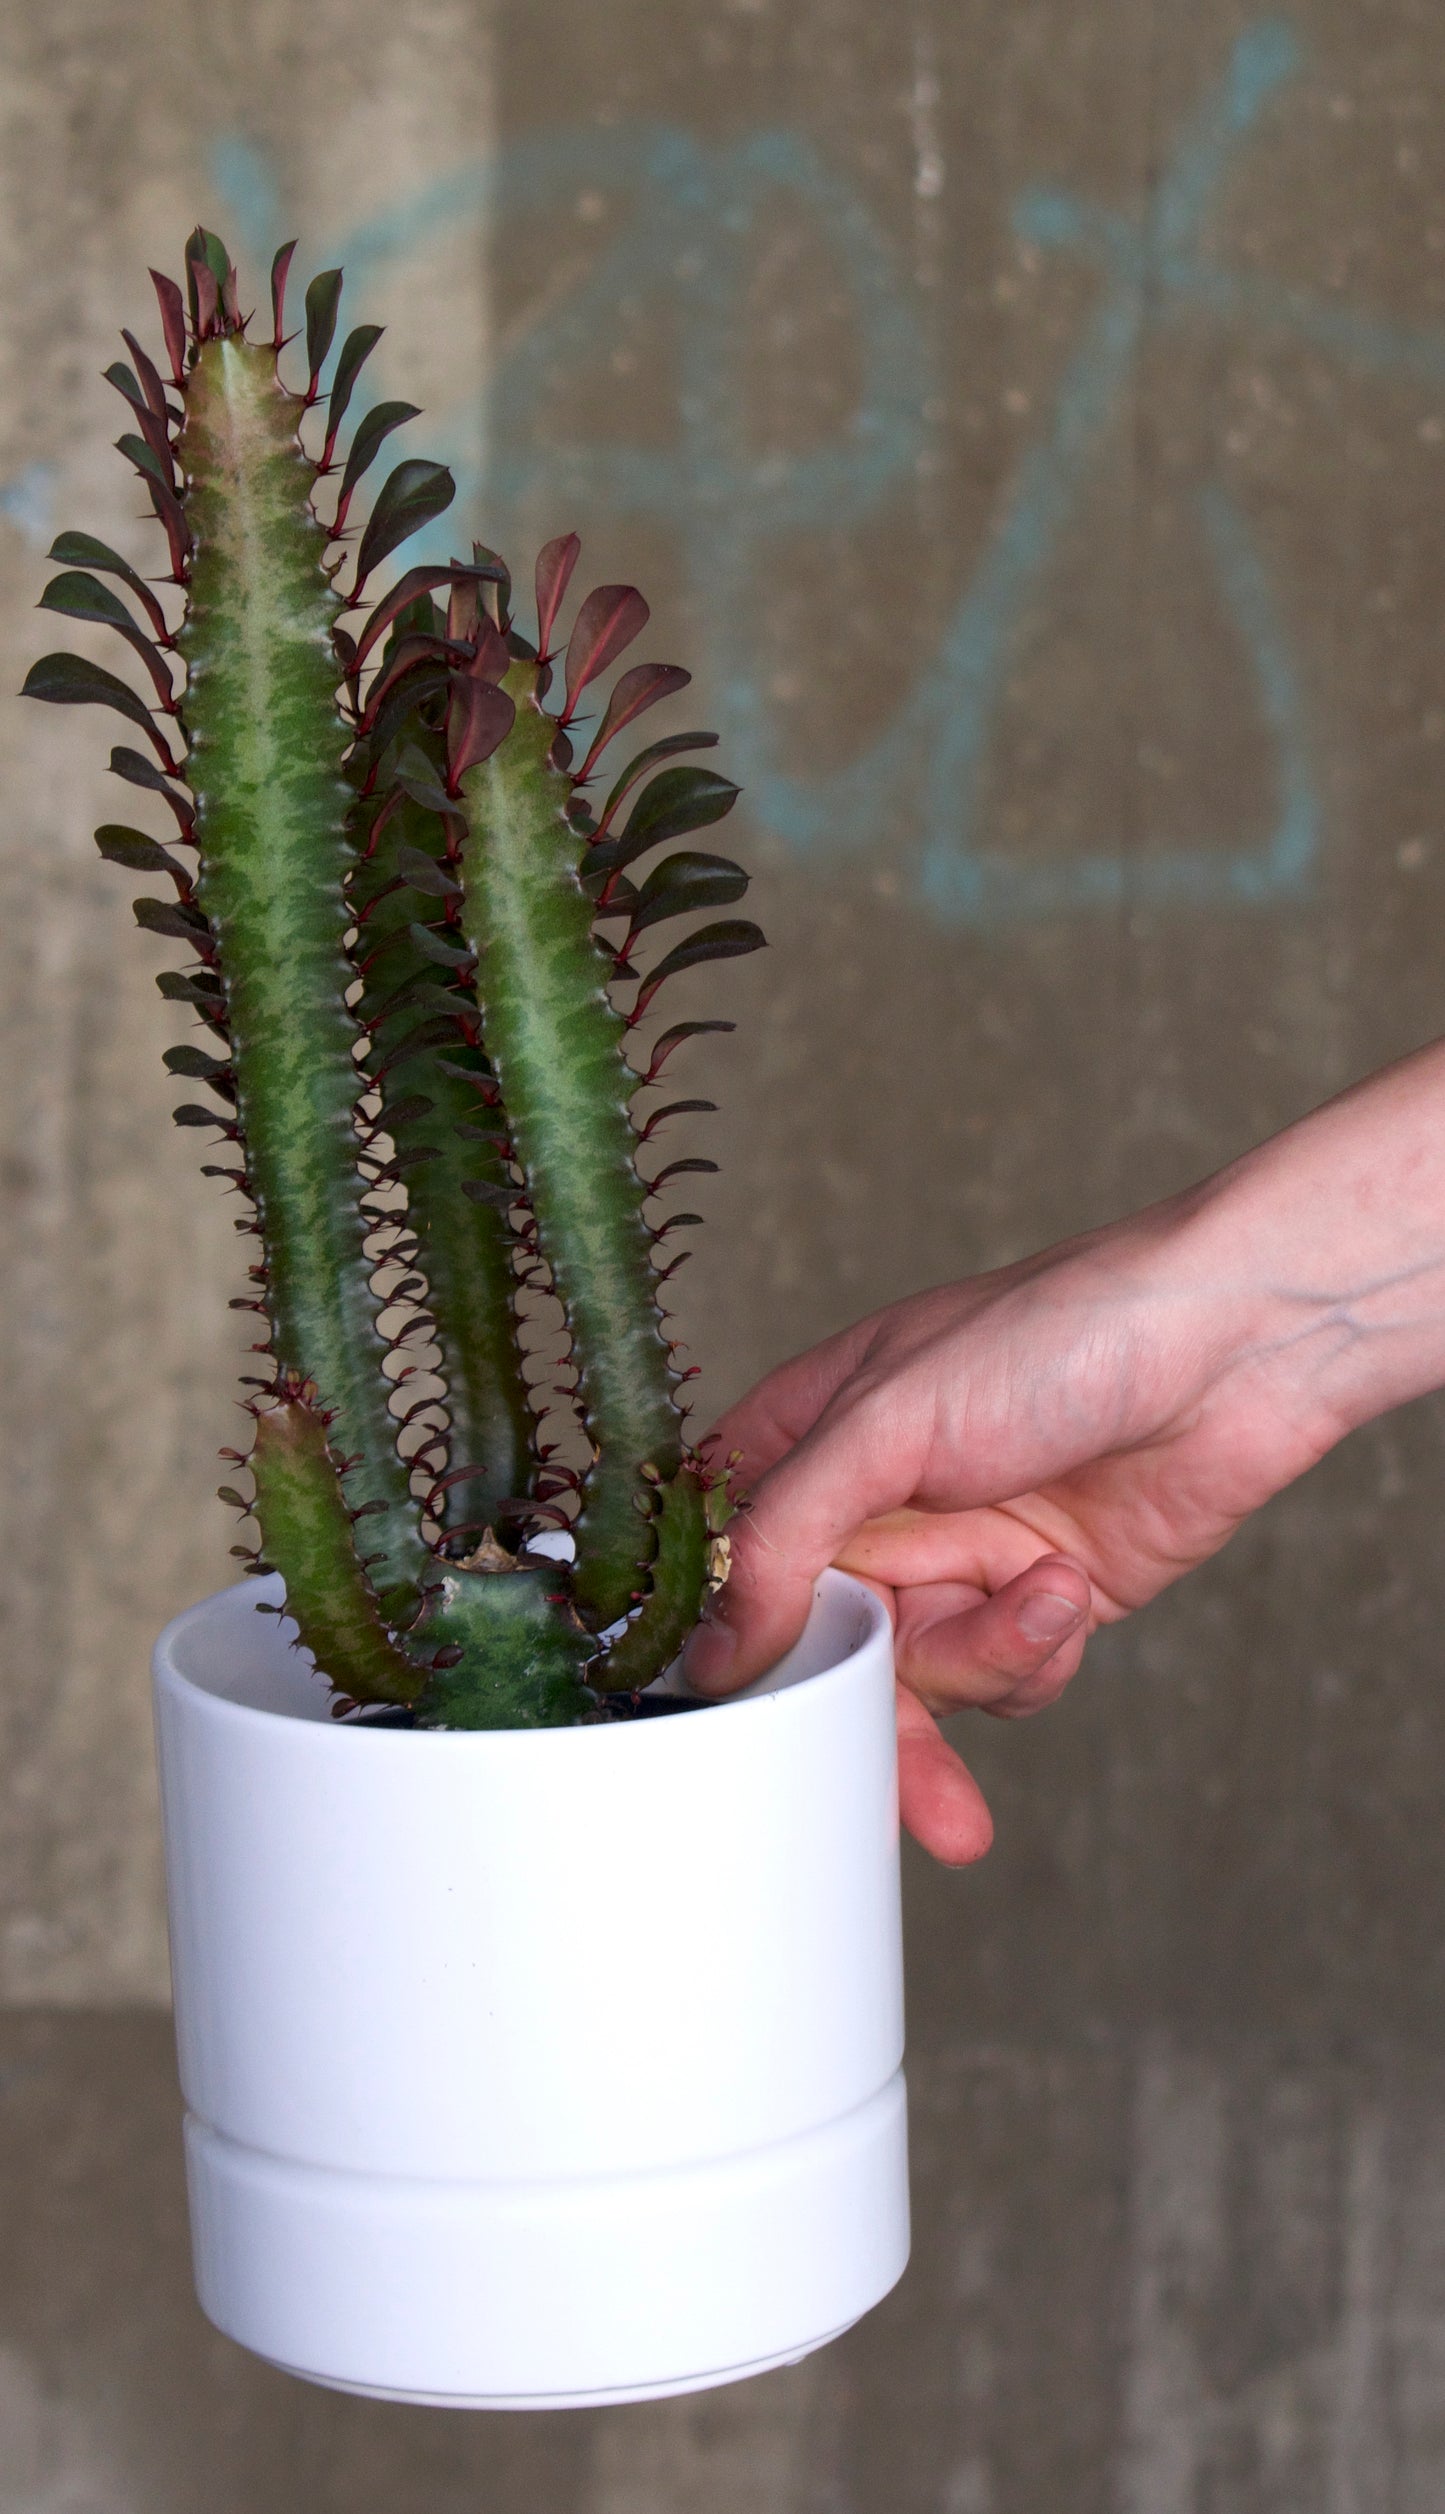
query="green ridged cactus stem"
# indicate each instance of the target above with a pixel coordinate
(414, 937)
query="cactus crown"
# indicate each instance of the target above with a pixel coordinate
(413, 934)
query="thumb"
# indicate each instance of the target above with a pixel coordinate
(803, 1510)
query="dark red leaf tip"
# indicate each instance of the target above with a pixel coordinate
(173, 324)
(417, 580)
(608, 621)
(355, 350)
(150, 382)
(640, 688)
(323, 299)
(412, 495)
(554, 573)
(479, 718)
(279, 269)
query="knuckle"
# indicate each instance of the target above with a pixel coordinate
(1038, 1692)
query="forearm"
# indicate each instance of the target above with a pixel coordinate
(1328, 1244)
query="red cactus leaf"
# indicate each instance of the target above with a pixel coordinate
(679, 1169)
(416, 777)
(208, 267)
(425, 680)
(140, 854)
(642, 687)
(463, 610)
(425, 872)
(355, 350)
(205, 297)
(191, 1113)
(667, 748)
(417, 580)
(154, 432)
(199, 1066)
(684, 883)
(150, 382)
(554, 571)
(173, 323)
(676, 1108)
(439, 947)
(69, 680)
(496, 585)
(128, 385)
(367, 443)
(609, 619)
(323, 299)
(677, 1222)
(173, 917)
(409, 652)
(137, 770)
(491, 657)
(178, 532)
(81, 549)
(729, 939)
(479, 719)
(80, 596)
(145, 458)
(279, 269)
(676, 802)
(674, 1038)
(412, 495)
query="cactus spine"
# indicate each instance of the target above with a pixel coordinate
(397, 895)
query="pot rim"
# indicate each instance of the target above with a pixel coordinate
(171, 1678)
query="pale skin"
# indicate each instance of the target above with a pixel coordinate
(1014, 1460)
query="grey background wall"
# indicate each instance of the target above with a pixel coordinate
(1030, 423)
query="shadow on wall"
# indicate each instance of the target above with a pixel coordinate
(692, 211)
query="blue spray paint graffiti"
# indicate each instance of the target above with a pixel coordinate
(25, 502)
(691, 213)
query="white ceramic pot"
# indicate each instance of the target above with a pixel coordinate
(541, 2067)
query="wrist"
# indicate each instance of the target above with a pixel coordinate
(1317, 1260)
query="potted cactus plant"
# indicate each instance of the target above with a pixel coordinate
(535, 2049)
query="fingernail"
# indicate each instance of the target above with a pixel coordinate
(708, 1657)
(1044, 1616)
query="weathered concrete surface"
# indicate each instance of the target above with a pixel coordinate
(1030, 422)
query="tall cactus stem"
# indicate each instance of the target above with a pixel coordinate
(267, 746)
(555, 1041)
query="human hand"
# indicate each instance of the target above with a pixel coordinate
(1011, 1462)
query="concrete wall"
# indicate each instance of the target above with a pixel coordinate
(1029, 422)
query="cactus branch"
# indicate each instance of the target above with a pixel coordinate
(434, 1103)
(555, 1043)
(307, 1524)
(268, 747)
